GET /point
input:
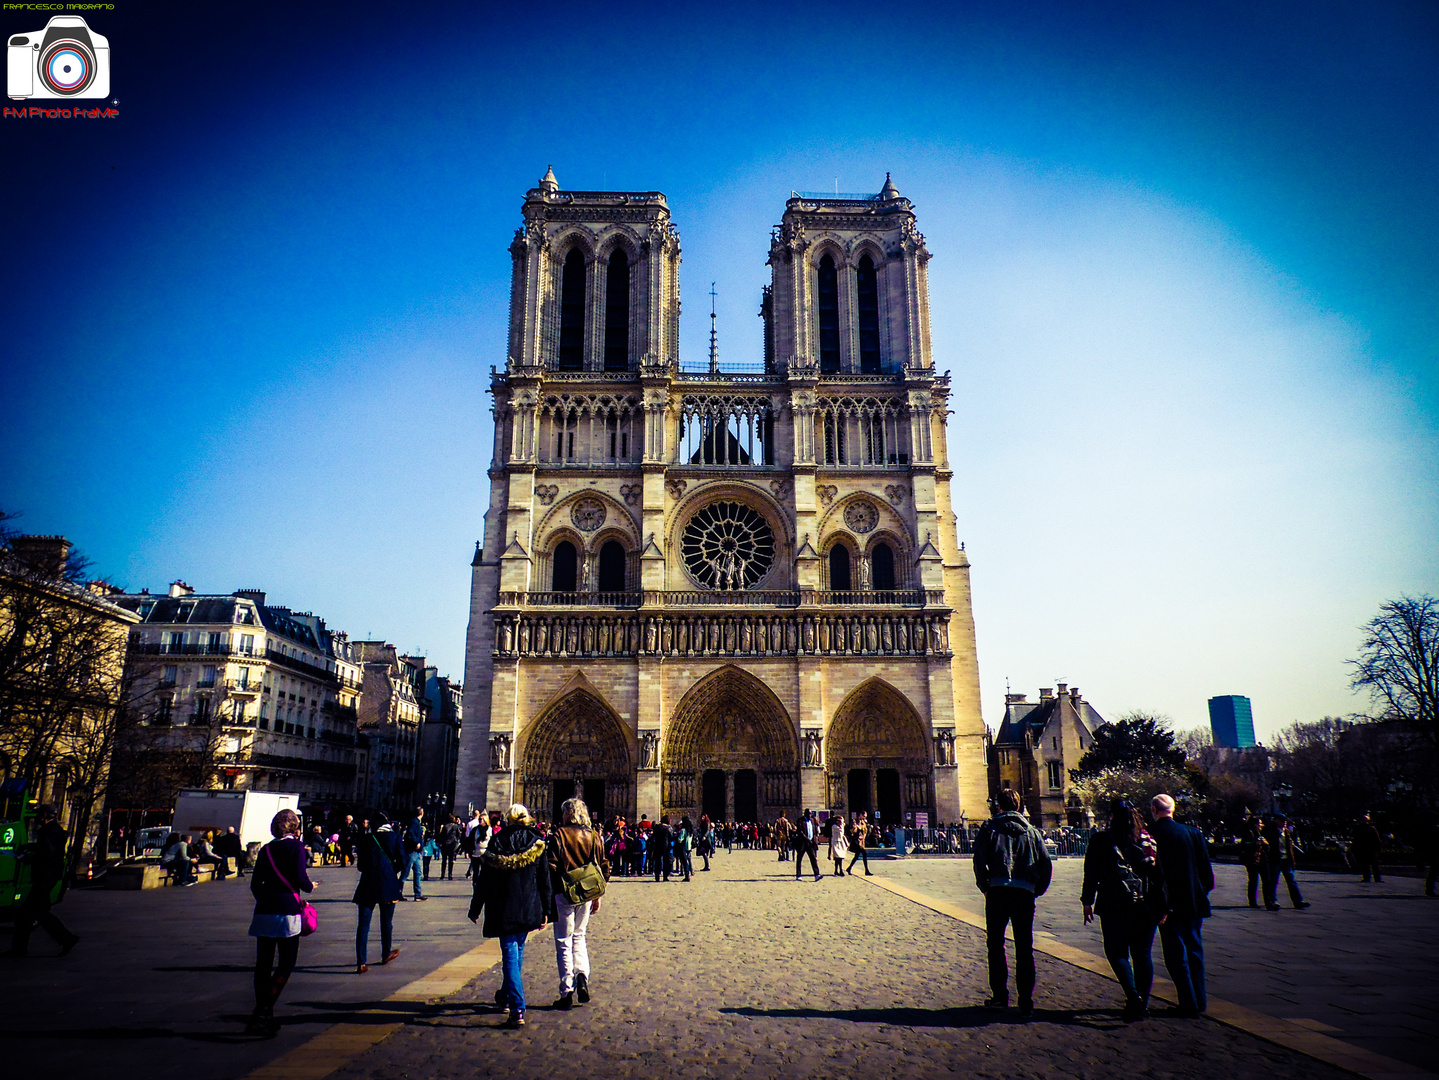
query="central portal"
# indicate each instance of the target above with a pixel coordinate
(731, 752)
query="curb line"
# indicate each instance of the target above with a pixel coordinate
(1293, 1035)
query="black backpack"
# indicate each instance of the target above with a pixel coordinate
(1131, 885)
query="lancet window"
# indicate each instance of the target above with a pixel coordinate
(617, 312)
(867, 294)
(726, 430)
(589, 429)
(828, 315)
(863, 431)
(572, 313)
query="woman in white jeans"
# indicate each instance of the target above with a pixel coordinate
(571, 846)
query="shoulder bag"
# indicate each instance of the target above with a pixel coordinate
(586, 882)
(309, 917)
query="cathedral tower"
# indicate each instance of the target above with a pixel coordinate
(727, 591)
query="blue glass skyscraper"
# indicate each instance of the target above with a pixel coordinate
(1231, 720)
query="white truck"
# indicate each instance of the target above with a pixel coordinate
(249, 812)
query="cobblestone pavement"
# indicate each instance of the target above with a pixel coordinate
(1358, 964)
(747, 973)
(160, 984)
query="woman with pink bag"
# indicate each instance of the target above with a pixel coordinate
(281, 915)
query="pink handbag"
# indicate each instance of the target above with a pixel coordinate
(309, 917)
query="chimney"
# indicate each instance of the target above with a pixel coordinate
(1063, 688)
(179, 588)
(44, 555)
(1074, 694)
(1046, 693)
(257, 595)
(1016, 699)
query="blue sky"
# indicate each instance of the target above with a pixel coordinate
(1184, 274)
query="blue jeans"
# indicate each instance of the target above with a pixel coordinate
(414, 865)
(1125, 940)
(512, 963)
(1184, 957)
(362, 931)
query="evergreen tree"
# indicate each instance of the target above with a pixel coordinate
(1135, 742)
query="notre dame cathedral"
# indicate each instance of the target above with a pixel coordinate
(736, 592)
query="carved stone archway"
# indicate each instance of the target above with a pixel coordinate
(877, 754)
(731, 723)
(577, 744)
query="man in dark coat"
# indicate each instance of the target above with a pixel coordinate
(380, 885)
(227, 846)
(1366, 849)
(414, 846)
(662, 840)
(1012, 870)
(46, 856)
(806, 842)
(513, 891)
(1184, 857)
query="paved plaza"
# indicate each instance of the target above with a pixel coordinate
(742, 973)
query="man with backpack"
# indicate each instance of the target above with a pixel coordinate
(1012, 869)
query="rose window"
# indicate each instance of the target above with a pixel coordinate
(727, 545)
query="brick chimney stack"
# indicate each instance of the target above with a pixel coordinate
(44, 555)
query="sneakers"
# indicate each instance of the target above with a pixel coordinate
(1301, 905)
(582, 987)
(417, 899)
(516, 1020)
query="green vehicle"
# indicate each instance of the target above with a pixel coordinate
(17, 821)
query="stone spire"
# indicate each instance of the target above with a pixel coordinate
(548, 183)
(889, 191)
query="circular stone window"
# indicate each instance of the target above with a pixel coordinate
(727, 545)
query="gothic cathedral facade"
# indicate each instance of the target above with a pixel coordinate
(733, 592)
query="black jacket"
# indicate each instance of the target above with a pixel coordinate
(1184, 856)
(513, 885)
(46, 855)
(381, 863)
(1104, 861)
(1010, 852)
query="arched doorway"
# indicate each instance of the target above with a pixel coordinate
(577, 747)
(731, 730)
(878, 755)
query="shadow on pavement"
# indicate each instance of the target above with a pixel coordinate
(962, 1017)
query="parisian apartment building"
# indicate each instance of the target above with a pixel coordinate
(392, 711)
(268, 695)
(1037, 743)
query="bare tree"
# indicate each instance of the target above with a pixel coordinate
(1398, 664)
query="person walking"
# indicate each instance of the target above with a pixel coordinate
(1012, 870)
(1269, 862)
(782, 830)
(349, 835)
(858, 840)
(276, 883)
(573, 845)
(1366, 847)
(806, 842)
(1188, 879)
(704, 843)
(512, 891)
(451, 833)
(838, 845)
(477, 839)
(684, 841)
(661, 846)
(1124, 886)
(380, 886)
(45, 855)
(1251, 853)
(414, 852)
(1284, 846)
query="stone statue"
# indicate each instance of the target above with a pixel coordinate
(813, 748)
(649, 749)
(864, 573)
(499, 753)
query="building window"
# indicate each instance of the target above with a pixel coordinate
(1055, 776)
(213, 643)
(617, 313)
(177, 641)
(572, 312)
(881, 565)
(1004, 760)
(207, 676)
(565, 575)
(612, 567)
(839, 568)
(185, 610)
(868, 289)
(167, 704)
(202, 710)
(247, 644)
(828, 315)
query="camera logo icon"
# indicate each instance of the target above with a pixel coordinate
(65, 60)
